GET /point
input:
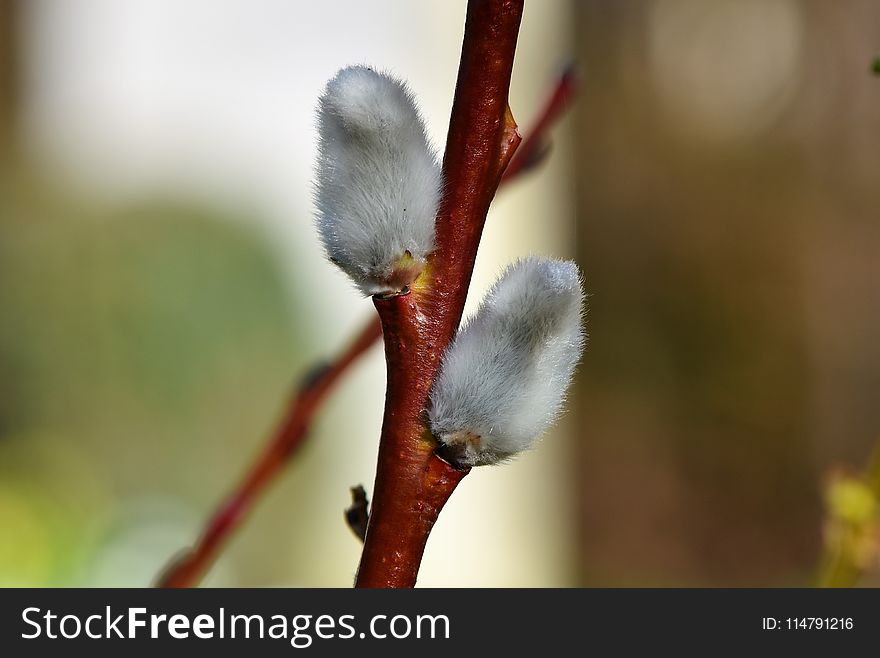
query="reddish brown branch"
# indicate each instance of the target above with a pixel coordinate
(187, 569)
(412, 483)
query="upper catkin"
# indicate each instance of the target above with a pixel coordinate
(503, 379)
(378, 180)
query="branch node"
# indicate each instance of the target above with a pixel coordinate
(357, 516)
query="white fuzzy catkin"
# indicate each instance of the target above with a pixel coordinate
(504, 377)
(378, 180)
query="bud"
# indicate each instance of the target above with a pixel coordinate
(378, 180)
(504, 377)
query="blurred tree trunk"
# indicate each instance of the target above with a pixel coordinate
(697, 464)
(9, 72)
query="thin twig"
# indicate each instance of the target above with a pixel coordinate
(412, 483)
(187, 569)
(536, 145)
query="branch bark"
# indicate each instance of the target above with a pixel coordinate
(412, 483)
(187, 569)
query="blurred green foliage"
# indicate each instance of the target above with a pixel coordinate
(852, 526)
(139, 348)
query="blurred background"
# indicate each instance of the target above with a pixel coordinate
(162, 288)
